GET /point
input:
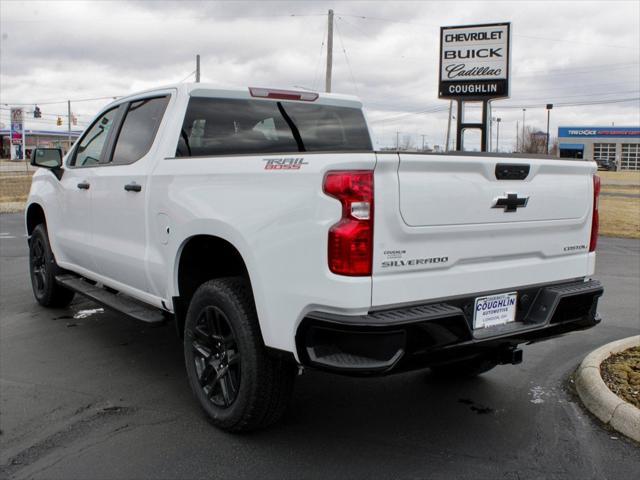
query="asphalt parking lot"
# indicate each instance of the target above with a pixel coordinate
(90, 394)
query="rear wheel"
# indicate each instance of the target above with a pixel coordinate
(43, 270)
(237, 383)
(467, 368)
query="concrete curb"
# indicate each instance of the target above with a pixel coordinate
(596, 396)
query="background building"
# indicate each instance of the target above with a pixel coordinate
(615, 145)
(38, 138)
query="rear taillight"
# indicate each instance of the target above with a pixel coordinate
(351, 239)
(595, 219)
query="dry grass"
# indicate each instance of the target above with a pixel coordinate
(621, 373)
(632, 178)
(620, 217)
(14, 188)
(626, 189)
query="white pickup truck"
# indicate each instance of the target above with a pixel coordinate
(263, 222)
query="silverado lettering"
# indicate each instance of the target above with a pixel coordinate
(416, 261)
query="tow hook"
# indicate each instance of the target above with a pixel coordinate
(510, 356)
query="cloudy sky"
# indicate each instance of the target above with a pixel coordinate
(577, 53)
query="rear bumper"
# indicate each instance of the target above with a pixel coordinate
(415, 337)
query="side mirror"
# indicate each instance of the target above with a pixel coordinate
(47, 158)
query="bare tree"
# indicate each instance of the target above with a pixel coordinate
(534, 141)
(407, 143)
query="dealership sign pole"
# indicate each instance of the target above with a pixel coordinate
(474, 66)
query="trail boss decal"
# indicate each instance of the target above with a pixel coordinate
(284, 163)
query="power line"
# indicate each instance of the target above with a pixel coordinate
(187, 76)
(544, 97)
(536, 105)
(315, 73)
(571, 74)
(575, 104)
(353, 81)
(408, 114)
(579, 95)
(566, 40)
(52, 102)
(178, 18)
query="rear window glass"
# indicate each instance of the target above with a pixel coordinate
(215, 126)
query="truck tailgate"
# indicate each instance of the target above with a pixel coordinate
(448, 225)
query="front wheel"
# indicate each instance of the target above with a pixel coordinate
(237, 383)
(43, 270)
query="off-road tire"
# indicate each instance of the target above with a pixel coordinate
(43, 270)
(265, 381)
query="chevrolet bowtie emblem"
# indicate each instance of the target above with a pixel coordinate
(511, 202)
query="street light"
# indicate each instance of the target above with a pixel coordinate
(522, 144)
(549, 107)
(498, 120)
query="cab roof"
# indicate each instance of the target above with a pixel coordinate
(256, 93)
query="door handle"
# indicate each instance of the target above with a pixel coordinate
(84, 186)
(133, 187)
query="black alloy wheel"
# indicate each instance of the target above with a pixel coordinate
(43, 270)
(216, 357)
(38, 260)
(238, 383)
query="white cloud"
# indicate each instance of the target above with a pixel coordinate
(561, 50)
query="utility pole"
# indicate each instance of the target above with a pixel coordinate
(327, 81)
(397, 140)
(446, 148)
(197, 68)
(522, 145)
(69, 124)
(491, 120)
(498, 120)
(549, 107)
(517, 136)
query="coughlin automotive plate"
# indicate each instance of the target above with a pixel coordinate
(495, 310)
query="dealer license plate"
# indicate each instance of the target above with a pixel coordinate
(495, 310)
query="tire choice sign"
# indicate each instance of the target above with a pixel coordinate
(475, 61)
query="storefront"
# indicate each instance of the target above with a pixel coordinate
(611, 147)
(38, 138)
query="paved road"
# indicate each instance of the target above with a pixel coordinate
(103, 397)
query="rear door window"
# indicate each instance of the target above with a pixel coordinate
(234, 126)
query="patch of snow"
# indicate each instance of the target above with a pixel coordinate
(88, 313)
(537, 394)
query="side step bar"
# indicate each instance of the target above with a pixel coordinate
(114, 301)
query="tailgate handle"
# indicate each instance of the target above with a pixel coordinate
(512, 171)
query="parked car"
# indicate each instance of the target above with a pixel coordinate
(607, 164)
(265, 225)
